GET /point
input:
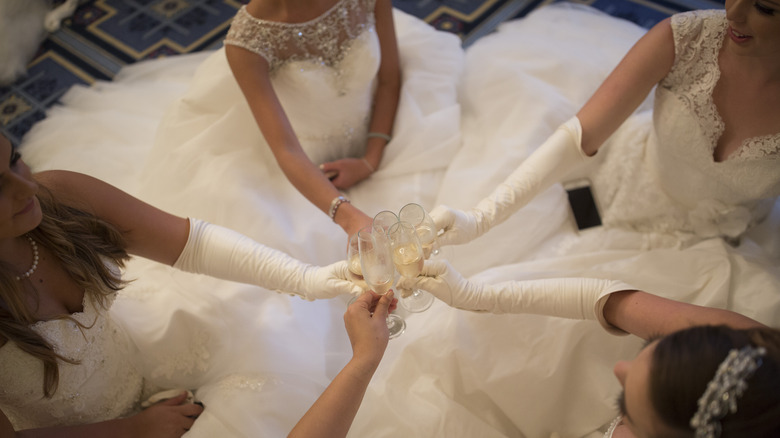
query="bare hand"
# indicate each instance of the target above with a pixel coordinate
(348, 172)
(169, 418)
(366, 324)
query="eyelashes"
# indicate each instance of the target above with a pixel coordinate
(15, 157)
(621, 403)
(763, 9)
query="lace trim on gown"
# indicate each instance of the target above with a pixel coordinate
(99, 387)
(324, 40)
(698, 38)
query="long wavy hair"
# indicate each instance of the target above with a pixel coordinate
(82, 243)
(684, 362)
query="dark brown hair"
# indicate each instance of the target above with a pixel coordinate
(684, 362)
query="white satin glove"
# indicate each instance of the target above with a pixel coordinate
(556, 158)
(222, 253)
(572, 298)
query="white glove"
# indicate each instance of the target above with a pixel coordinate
(573, 298)
(222, 253)
(556, 158)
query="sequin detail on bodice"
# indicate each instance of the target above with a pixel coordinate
(323, 40)
(323, 71)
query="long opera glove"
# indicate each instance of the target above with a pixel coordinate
(572, 298)
(222, 253)
(556, 158)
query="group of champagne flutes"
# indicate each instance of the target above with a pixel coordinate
(394, 243)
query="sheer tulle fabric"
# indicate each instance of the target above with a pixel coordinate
(452, 373)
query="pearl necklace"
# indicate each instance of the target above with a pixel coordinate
(34, 263)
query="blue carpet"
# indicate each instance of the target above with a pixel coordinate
(105, 35)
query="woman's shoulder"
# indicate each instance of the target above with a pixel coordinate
(69, 187)
(698, 36)
(692, 25)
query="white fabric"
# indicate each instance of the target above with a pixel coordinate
(556, 159)
(100, 387)
(222, 253)
(573, 298)
(257, 359)
(451, 373)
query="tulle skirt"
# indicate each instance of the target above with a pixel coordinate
(259, 359)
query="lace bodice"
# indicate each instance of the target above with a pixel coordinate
(323, 40)
(103, 384)
(665, 180)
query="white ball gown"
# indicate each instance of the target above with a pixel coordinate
(452, 373)
(663, 201)
(178, 134)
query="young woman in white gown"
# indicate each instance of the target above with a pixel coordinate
(70, 368)
(532, 376)
(703, 372)
(299, 86)
(258, 359)
(681, 220)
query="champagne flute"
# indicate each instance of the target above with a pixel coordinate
(353, 263)
(408, 260)
(376, 264)
(424, 226)
(385, 219)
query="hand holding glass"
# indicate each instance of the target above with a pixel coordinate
(376, 263)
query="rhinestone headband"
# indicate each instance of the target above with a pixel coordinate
(729, 383)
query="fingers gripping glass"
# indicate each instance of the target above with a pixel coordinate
(378, 270)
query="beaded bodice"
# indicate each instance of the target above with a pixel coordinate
(103, 384)
(324, 39)
(323, 72)
(665, 180)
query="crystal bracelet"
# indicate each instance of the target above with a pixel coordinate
(334, 206)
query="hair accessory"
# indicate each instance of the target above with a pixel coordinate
(379, 135)
(335, 204)
(729, 383)
(370, 167)
(35, 260)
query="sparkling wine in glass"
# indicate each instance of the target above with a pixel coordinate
(416, 215)
(408, 258)
(353, 263)
(376, 263)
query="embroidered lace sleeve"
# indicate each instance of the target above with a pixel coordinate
(323, 39)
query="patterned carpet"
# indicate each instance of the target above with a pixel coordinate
(104, 35)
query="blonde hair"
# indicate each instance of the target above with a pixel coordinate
(82, 243)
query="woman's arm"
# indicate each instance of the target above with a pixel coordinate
(388, 83)
(194, 245)
(149, 231)
(385, 104)
(643, 67)
(646, 315)
(332, 414)
(252, 74)
(570, 147)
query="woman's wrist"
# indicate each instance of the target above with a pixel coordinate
(365, 364)
(335, 205)
(350, 218)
